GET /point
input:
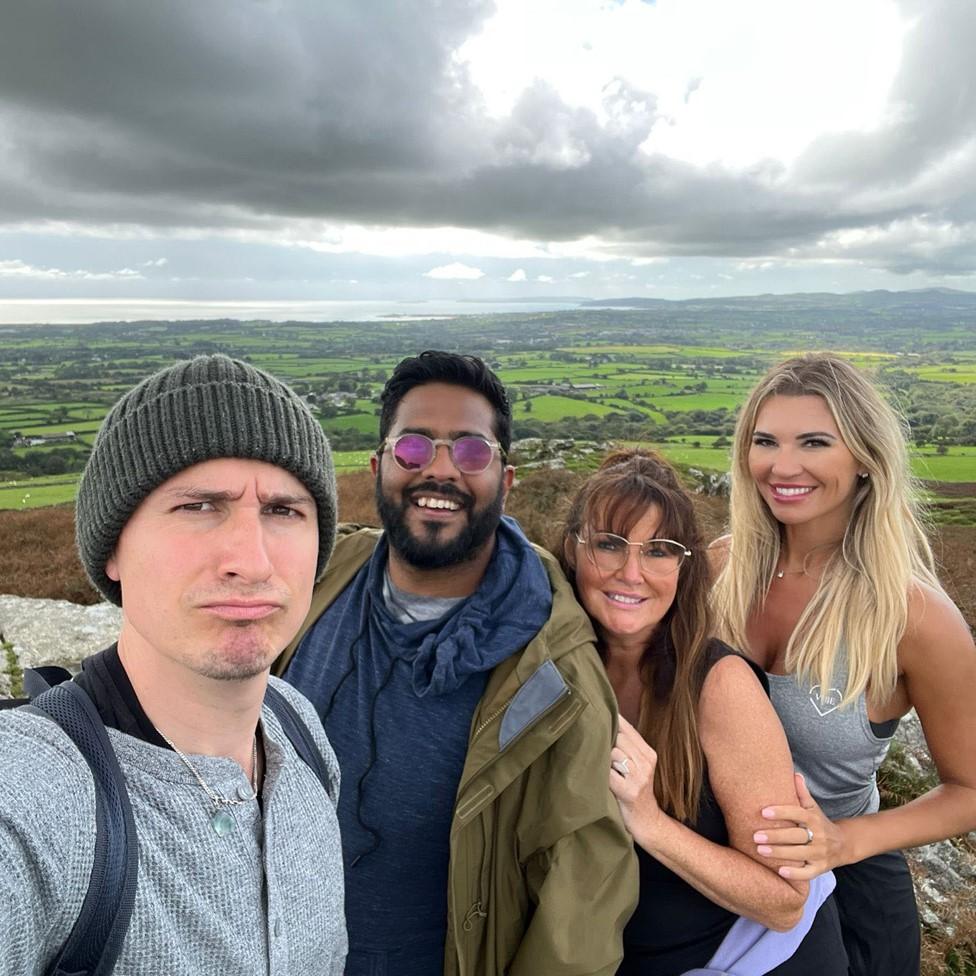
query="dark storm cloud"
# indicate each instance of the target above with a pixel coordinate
(231, 114)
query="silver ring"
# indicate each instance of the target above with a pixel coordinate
(809, 836)
(622, 766)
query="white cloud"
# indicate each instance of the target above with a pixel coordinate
(455, 272)
(20, 269)
(158, 263)
(385, 241)
(517, 275)
(708, 64)
(547, 279)
(580, 274)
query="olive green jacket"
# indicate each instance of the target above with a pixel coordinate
(543, 874)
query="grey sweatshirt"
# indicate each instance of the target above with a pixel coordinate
(266, 898)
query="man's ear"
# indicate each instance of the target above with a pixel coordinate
(112, 569)
(508, 478)
(374, 464)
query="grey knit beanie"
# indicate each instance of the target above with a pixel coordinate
(205, 408)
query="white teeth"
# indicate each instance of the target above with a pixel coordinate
(790, 492)
(622, 598)
(425, 502)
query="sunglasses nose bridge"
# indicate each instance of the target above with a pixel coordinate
(442, 455)
(438, 457)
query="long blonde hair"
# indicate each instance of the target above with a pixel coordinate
(674, 664)
(861, 601)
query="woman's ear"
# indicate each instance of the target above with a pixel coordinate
(569, 550)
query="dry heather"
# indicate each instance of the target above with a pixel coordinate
(39, 559)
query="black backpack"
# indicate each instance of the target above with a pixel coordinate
(99, 931)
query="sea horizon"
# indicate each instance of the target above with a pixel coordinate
(72, 311)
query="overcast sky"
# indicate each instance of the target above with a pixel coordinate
(345, 150)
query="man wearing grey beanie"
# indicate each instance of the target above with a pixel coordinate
(206, 511)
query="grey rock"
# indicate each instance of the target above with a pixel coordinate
(56, 631)
(945, 870)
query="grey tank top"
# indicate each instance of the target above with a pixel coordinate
(838, 750)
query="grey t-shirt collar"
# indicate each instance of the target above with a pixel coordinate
(410, 608)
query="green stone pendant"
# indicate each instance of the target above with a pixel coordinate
(222, 822)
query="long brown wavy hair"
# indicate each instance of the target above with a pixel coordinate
(673, 666)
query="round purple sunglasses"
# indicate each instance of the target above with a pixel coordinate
(470, 454)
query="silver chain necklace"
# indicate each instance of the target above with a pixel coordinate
(221, 820)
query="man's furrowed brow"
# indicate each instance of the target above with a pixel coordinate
(286, 498)
(200, 494)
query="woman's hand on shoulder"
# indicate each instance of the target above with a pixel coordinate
(632, 766)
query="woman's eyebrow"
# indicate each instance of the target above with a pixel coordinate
(799, 437)
(816, 433)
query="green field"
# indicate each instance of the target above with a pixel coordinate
(38, 492)
(365, 422)
(674, 376)
(698, 401)
(60, 489)
(958, 465)
(547, 408)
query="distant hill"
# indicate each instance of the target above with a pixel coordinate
(935, 307)
(912, 301)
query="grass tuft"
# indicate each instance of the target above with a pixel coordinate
(12, 669)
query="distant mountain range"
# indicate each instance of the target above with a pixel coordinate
(907, 320)
(945, 299)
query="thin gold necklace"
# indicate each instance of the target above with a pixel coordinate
(802, 571)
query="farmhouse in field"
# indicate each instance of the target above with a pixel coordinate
(43, 440)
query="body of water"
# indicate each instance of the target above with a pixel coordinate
(78, 312)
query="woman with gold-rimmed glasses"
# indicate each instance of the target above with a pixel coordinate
(699, 747)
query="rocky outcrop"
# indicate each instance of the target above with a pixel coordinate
(55, 631)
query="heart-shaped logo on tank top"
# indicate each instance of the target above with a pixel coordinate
(825, 704)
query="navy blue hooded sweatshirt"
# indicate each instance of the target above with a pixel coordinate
(397, 700)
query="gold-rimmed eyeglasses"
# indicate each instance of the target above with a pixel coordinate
(657, 557)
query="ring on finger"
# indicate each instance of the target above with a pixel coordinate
(809, 839)
(622, 766)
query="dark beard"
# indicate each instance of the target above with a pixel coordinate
(429, 552)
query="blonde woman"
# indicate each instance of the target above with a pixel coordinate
(827, 582)
(699, 749)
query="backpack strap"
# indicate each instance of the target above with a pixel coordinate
(38, 680)
(293, 725)
(96, 940)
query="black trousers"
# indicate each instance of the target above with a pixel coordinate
(878, 916)
(821, 953)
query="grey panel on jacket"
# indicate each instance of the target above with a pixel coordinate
(540, 692)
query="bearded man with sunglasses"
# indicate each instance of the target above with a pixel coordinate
(459, 685)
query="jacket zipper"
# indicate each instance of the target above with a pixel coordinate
(478, 909)
(491, 718)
